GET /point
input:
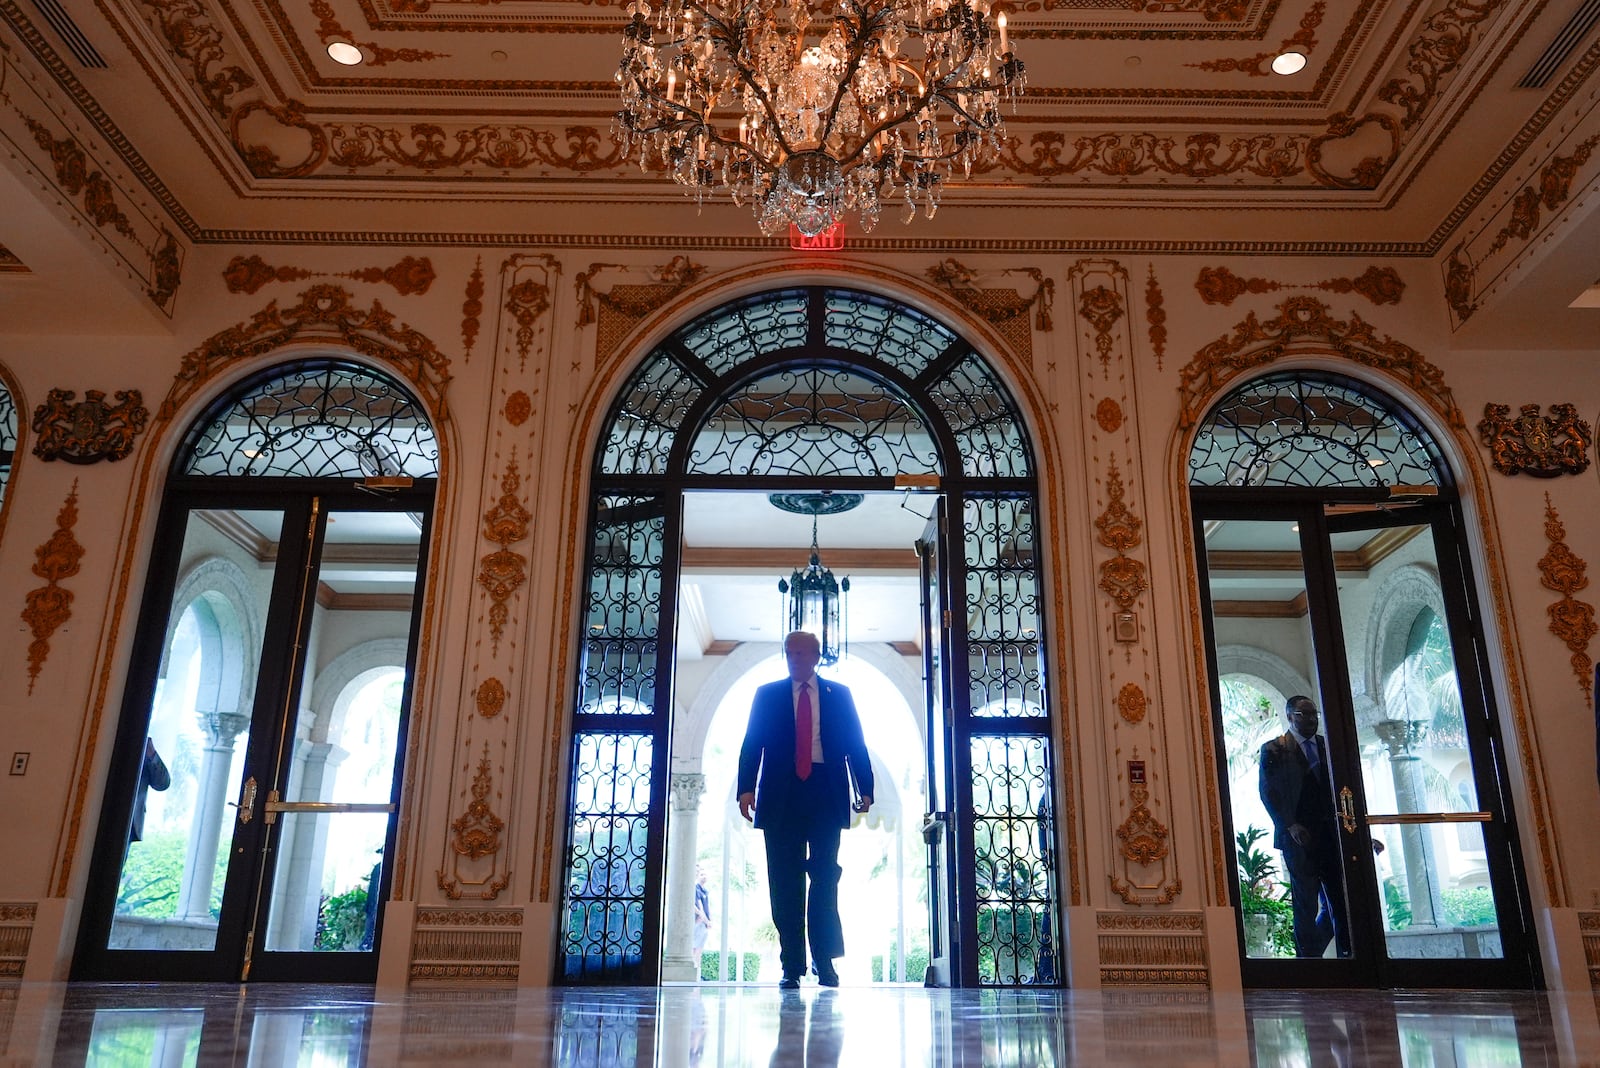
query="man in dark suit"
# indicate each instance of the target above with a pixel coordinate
(805, 740)
(1297, 788)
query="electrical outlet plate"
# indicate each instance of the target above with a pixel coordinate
(19, 763)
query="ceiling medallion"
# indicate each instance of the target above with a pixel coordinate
(805, 111)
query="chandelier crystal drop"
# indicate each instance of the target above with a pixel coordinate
(804, 111)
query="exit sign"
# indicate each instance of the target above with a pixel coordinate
(830, 240)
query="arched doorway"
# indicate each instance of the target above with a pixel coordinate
(814, 390)
(253, 790)
(1380, 849)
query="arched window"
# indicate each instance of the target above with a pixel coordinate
(9, 439)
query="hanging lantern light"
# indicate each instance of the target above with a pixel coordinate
(814, 600)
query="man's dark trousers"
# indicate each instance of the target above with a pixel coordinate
(805, 844)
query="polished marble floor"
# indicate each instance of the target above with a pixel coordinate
(173, 1024)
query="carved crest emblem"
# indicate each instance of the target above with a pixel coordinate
(1540, 445)
(90, 430)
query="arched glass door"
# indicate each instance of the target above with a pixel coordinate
(1373, 842)
(802, 391)
(251, 802)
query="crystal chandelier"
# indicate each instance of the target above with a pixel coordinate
(805, 111)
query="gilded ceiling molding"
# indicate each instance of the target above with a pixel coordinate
(1540, 445)
(1547, 192)
(203, 51)
(1213, 11)
(329, 29)
(323, 313)
(617, 310)
(48, 607)
(1219, 285)
(149, 253)
(471, 308)
(502, 573)
(1304, 325)
(1155, 314)
(475, 837)
(1007, 310)
(1571, 620)
(90, 430)
(1259, 65)
(411, 275)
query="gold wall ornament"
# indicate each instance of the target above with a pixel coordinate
(1219, 285)
(471, 308)
(1108, 415)
(1155, 315)
(1132, 703)
(1303, 324)
(1571, 620)
(1548, 191)
(1007, 310)
(518, 407)
(526, 284)
(1101, 307)
(323, 313)
(502, 572)
(1122, 577)
(411, 275)
(456, 944)
(49, 606)
(617, 310)
(1303, 40)
(1143, 837)
(373, 55)
(90, 430)
(1540, 445)
(491, 697)
(475, 836)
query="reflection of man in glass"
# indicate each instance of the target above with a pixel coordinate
(1297, 788)
(153, 775)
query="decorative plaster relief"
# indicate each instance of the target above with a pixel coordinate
(1303, 40)
(1155, 314)
(621, 307)
(527, 282)
(1571, 620)
(502, 572)
(1540, 445)
(466, 944)
(373, 55)
(1005, 309)
(1218, 285)
(475, 836)
(324, 313)
(471, 308)
(1303, 324)
(50, 606)
(1132, 703)
(1101, 307)
(491, 697)
(1122, 578)
(247, 274)
(90, 430)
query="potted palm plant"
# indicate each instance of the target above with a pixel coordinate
(1261, 896)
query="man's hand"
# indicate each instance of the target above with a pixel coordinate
(863, 803)
(1298, 832)
(747, 806)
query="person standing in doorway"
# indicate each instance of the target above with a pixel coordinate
(801, 749)
(1297, 788)
(702, 914)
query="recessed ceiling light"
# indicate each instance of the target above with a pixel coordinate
(345, 52)
(1289, 63)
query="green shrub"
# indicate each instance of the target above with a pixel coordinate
(1471, 907)
(342, 920)
(711, 963)
(916, 966)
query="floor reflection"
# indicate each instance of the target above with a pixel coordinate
(171, 1025)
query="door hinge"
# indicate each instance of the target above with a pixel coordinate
(947, 619)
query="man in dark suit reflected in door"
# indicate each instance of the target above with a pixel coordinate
(1297, 788)
(801, 748)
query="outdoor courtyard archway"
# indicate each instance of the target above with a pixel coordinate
(806, 390)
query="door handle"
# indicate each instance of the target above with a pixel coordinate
(933, 828)
(274, 806)
(1347, 809)
(247, 801)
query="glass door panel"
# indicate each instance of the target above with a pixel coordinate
(1432, 870)
(936, 821)
(337, 761)
(1288, 849)
(190, 770)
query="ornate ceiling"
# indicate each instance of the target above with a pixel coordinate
(485, 119)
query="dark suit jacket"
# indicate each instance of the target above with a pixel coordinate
(1291, 794)
(769, 748)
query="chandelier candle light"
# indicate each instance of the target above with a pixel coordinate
(807, 110)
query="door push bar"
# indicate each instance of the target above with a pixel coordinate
(275, 806)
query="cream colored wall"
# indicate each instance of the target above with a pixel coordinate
(68, 722)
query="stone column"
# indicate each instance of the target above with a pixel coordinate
(302, 848)
(211, 811)
(1400, 737)
(678, 963)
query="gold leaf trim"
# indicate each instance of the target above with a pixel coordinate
(1542, 446)
(1304, 39)
(1155, 314)
(471, 308)
(1219, 285)
(503, 572)
(412, 275)
(50, 606)
(1571, 620)
(1132, 703)
(91, 430)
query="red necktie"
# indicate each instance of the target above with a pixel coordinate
(802, 733)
